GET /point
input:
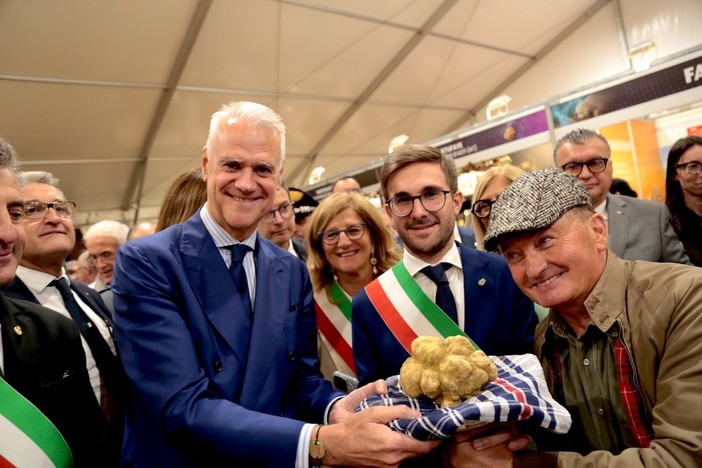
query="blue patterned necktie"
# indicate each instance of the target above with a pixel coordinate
(444, 296)
(238, 273)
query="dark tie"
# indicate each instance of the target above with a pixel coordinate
(444, 296)
(238, 273)
(104, 359)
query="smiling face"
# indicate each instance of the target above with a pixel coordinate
(49, 239)
(242, 174)
(102, 250)
(559, 266)
(11, 232)
(427, 235)
(597, 184)
(281, 230)
(349, 257)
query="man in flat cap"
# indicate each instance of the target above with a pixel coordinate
(621, 344)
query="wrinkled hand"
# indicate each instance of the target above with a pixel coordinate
(486, 447)
(345, 407)
(364, 439)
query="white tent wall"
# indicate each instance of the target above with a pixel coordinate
(114, 98)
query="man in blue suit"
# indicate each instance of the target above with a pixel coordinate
(421, 186)
(217, 334)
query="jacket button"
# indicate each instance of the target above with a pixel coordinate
(218, 366)
(291, 356)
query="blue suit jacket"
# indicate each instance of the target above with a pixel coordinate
(182, 337)
(499, 318)
(641, 230)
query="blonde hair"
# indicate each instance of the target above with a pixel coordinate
(384, 247)
(507, 171)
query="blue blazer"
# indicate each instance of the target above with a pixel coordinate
(194, 399)
(499, 318)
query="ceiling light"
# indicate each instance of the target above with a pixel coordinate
(642, 56)
(498, 107)
(316, 175)
(399, 140)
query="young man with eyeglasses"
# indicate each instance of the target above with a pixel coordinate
(638, 229)
(42, 279)
(278, 225)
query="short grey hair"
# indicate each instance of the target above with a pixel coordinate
(8, 157)
(108, 228)
(579, 136)
(252, 113)
(39, 177)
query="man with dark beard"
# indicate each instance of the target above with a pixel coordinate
(471, 293)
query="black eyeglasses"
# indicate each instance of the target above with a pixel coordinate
(595, 166)
(37, 210)
(285, 210)
(431, 200)
(692, 167)
(482, 208)
(353, 232)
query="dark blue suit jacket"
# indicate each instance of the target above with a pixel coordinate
(499, 318)
(181, 330)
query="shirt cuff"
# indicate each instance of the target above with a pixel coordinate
(329, 407)
(302, 460)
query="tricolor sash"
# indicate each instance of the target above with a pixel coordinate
(407, 310)
(334, 323)
(28, 437)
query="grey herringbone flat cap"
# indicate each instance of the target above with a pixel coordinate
(533, 201)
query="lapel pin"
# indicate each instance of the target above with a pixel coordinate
(481, 282)
(619, 212)
(18, 330)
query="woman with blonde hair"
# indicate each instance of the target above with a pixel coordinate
(491, 184)
(348, 246)
(185, 196)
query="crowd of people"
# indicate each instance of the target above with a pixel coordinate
(247, 325)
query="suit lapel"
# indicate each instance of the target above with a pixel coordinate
(270, 309)
(18, 343)
(617, 224)
(213, 287)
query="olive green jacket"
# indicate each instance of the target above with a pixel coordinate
(659, 309)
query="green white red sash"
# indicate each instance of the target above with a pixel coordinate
(334, 322)
(407, 310)
(27, 437)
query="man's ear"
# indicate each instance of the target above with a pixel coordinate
(457, 202)
(203, 163)
(598, 227)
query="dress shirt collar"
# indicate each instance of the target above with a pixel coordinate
(414, 264)
(221, 237)
(37, 281)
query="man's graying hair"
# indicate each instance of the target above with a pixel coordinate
(39, 177)
(8, 157)
(579, 136)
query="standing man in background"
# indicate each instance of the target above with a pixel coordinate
(102, 241)
(40, 278)
(638, 229)
(42, 363)
(348, 184)
(278, 225)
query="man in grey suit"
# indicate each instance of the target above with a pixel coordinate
(638, 229)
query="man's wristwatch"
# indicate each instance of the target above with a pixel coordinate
(317, 449)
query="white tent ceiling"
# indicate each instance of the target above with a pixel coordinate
(114, 97)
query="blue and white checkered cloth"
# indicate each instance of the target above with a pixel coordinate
(518, 393)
